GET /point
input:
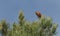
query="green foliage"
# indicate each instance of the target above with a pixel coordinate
(44, 26)
(4, 28)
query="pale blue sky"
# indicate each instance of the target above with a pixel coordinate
(9, 10)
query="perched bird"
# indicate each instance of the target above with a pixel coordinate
(38, 14)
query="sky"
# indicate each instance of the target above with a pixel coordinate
(9, 10)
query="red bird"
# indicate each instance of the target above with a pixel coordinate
(38, 13)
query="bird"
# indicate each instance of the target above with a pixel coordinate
(38, 14)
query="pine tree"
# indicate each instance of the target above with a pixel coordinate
(43, 26)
